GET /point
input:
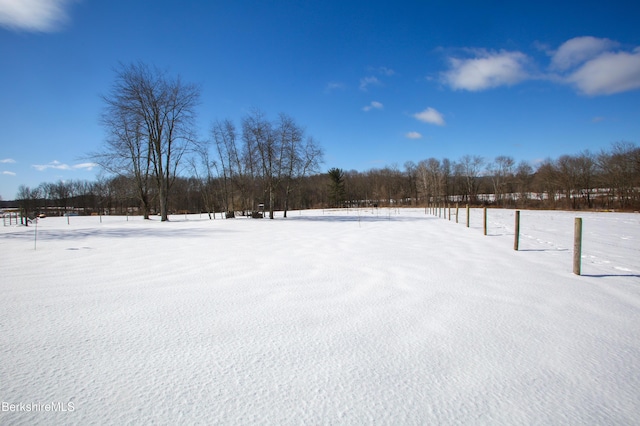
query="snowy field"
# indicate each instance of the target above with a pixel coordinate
(328, 317)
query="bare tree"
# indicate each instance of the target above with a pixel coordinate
(546, 181)
(204, 177)
(28, 198)
(501, 174)
(523, 180)
(264, 151)
(300, 156)
(411, 173)
(429, 179)
(224, 138)
(126, 151)
(586, 167)
(280, 151)
(620, 172)
(469, 170)
(146, 105)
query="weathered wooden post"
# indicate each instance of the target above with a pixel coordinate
(485, 220)
(468, 215)
(457, 210)
(449, 212)
(577, 245)
(516, 240)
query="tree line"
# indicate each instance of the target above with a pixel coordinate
(155, 164)
(609, 179)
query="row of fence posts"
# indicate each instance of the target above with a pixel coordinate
(577, 232)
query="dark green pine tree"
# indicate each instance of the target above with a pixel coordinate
(336, 187)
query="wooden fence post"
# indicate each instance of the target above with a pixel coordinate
(516, 240)
(457, 210)
(577, 246)
(468, 215)
(485, 220)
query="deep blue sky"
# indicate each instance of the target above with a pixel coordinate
(377, 83)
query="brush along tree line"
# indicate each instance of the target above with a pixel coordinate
(155, 164)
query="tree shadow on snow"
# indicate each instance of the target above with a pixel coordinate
(361, 218)
(610, 275)
(75, 234)
(549, 249)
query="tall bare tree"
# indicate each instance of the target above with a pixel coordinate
(148, 110)
(299, 156)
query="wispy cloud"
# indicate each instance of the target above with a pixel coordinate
(413, 135)
(52, 165)
(7, 161)
(334, 85)
(373, 105)
(34, 15)
(84, 166)
(369, 81)
(431, 116)
(486, 70)
(8, 173)
(386, 71)
(56, 165)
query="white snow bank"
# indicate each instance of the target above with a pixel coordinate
(327, 317)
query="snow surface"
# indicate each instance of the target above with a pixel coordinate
(328, 317)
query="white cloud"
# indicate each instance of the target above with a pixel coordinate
(486, 70)
(608, 73)
(7, 161)
(578, 50)
(413, 135)
(85, 166)
(8, 173)
(56, 165)
(431, 116)
(33, 15)
(594, 66)
(373, 105)
(369, 81)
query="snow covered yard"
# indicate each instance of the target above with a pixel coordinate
(328, 317)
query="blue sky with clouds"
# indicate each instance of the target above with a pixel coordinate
(377, 83)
